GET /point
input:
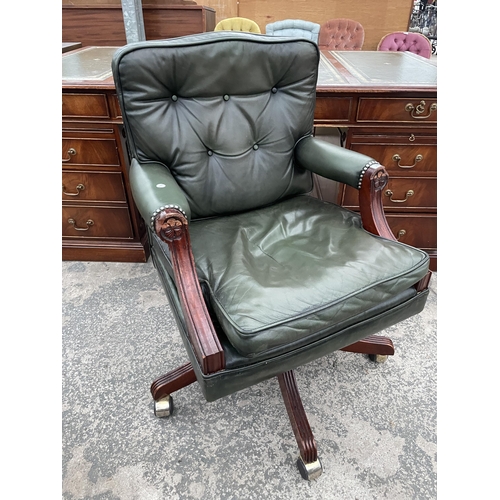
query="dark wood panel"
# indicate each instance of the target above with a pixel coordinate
(401, 194)
(103, 25)
(417, 110)
(402, 159)
(105, 250)
(96, 222)
(83, 151)
(93, 186)
(85, 105)
(413, 229)
(333, 109)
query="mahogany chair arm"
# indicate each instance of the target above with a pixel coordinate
(371, 208)
(163, 205)
(172, 227)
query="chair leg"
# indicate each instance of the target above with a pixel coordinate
(163, 386)
(376, 346)
(308, 463)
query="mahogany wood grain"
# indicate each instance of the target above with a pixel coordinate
(418, 194)
(88, 151)
(105, 250)
(418, 230)
(298, 418)
(105, 222)
(374, 344)
(394, 110)
(85, 105)
(103, 25)
(82, 185)
(173, 381)
(172, 228)
(401, 158)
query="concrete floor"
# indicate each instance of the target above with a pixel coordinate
(375, 424)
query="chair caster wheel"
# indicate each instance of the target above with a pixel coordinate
(378, 358)
(309, 471)
(164, 407)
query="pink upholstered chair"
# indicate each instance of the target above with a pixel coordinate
(406, 41)
(341, 34)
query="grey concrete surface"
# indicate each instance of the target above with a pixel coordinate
(375, 424)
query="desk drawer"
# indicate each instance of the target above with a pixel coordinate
(401, 194)
(419, 231)
(397, 110)
(333, 109)
(402, 159)
(93, 186)
(96, 222)
(78, 151)
(85, 105)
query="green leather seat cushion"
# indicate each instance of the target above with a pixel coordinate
(283, 272)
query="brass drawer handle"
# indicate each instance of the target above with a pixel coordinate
(415, 111)
(89, 223)
(401, 232)
(397, 159)
(409, 193)
(71, 152)
(79, 187)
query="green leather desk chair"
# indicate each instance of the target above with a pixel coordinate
(261, 276)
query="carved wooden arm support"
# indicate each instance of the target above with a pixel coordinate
(371, 207)
(372, 212)
(172, 227)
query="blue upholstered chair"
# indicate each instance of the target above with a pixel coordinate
(294, 27)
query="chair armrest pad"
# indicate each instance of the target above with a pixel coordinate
(331, 161)
(154, 188)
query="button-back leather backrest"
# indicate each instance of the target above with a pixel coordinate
(223, 111)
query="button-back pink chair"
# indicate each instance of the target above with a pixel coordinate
(406, 41)
(341, 34)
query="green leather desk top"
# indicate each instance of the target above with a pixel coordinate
(336, 69)
(375, 68)
(90, 63)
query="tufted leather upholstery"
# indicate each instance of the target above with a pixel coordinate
(294, 27)
(218, 133)
(237, 24)
(403, 41)
(341, 34)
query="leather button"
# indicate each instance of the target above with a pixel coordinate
(256, 146)
(274, 90)
(174, 98)
(210, 152)
(226, 97)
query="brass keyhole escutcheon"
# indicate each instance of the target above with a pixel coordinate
(401, 233)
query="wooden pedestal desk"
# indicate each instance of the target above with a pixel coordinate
(99, 219)
(386, 100)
